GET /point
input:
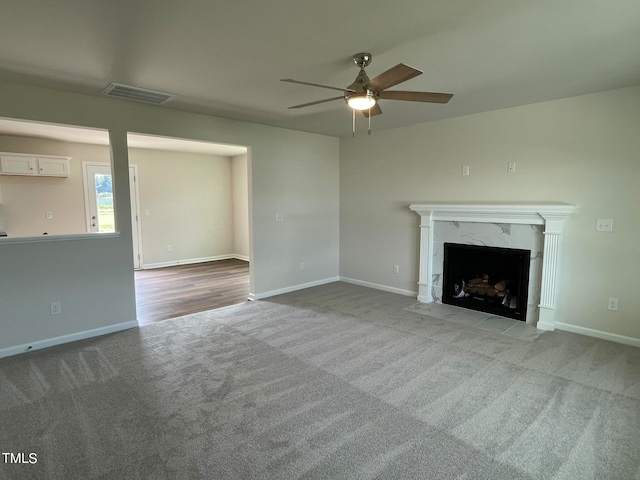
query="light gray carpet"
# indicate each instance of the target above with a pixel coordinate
(333, 382)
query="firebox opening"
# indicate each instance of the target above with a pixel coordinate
(489, 279)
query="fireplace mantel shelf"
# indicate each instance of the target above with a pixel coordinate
(524, 213)
(551, 215)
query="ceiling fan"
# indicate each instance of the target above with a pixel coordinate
(364, 93)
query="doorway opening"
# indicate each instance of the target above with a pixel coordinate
(194, 225)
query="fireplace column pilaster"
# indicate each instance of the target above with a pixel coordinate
(550, 265)
(425, 280)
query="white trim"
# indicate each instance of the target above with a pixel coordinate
(546, 318)
(590, 332)
(377, 286)
(85, 191)
(72, 337)
(526, 213)
(293, 288)
(240, 257)
(138, 219)
(60, 238)
(189, 261)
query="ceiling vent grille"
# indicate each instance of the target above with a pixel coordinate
(127, 92)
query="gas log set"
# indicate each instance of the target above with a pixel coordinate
(484, 289)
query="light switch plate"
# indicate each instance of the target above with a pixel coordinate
(56, 308)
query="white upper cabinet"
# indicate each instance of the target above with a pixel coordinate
(53, 167)
(18, 165)
(36, 165)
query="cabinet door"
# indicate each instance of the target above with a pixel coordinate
(53, 167)
(18, 165)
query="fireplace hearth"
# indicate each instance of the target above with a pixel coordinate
(488, 279)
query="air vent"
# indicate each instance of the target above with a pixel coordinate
(128, 92)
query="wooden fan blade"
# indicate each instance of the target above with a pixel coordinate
(398, 74)
(376, 110)
(431, 97)
(290, 80)
(317, 102)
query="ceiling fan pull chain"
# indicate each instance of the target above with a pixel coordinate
(369, 121)
(353, 124)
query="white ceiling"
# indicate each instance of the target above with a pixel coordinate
(226, 57)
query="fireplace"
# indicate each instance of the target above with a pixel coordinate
(506, 219)
(489, 279)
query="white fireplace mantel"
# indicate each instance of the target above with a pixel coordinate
(551, 216)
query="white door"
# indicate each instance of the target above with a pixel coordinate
(99, 202)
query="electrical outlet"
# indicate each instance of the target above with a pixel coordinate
(301, 265)
(612, 304)
(396, 269)
(56, 308)
(279, 217)
(465, 170)
(511, 167)
(49, 214)
(169, 248)
(604, 225)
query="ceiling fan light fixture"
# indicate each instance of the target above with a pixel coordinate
(361, 101)
(364, 93)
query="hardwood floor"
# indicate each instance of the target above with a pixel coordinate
(170, 292)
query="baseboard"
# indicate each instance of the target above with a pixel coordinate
(293, 288)
(377, 286)
(189, 261)
(72, 337)
(590, 332)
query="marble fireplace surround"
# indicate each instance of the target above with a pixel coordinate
(549, 218)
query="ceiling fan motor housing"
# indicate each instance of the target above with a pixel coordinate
(360, 83)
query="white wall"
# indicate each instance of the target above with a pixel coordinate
(240, 192)
(581, 150)
(189, 200)
(292, 172)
